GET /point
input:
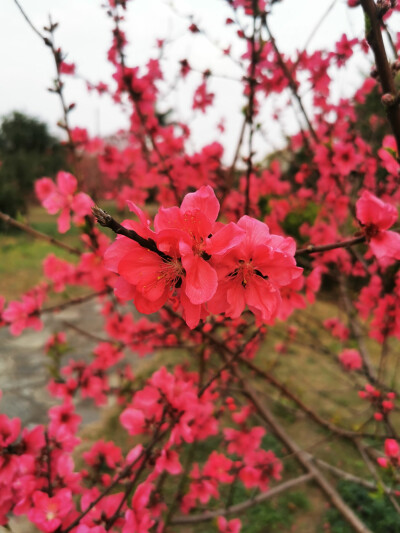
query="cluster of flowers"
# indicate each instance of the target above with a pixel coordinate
(207, 266)
(43, 483)
(392, 452)
(382, 403)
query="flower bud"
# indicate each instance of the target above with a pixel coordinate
(388, 99)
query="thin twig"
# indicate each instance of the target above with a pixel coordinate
(291, 81)
(107, 221)
(38, 234)
(303, 457)
(73, 301)
(373, 35)
(312, 249)
(243, 506)
(250, 110)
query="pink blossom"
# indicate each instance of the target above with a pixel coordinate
(388, 155)
(9, 430)
(337, 328)
(47, 513)
(62, 196)
(376, 217)
(218, 467)
(350, 359)
(67, 68)
(253, 271)
(231, 526)
(168, 461)
(64, 416)
(391, 448)
(23, 314)
(133, 421)
(202, 99)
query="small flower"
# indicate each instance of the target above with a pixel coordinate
(376, 217)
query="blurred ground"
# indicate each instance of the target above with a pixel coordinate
(23, 364)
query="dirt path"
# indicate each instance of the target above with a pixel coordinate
(23, 373)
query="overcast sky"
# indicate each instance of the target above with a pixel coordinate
(84, 34)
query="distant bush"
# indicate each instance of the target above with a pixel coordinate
(374, 509)
(27, 152)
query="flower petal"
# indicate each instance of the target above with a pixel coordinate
(201, 279)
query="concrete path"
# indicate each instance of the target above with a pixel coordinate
(23, 372)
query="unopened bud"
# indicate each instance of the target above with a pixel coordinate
(388, 99)
(396, 65)
(384, 6)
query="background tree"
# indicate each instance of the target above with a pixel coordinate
(27, 151)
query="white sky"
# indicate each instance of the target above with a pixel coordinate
(84, 34)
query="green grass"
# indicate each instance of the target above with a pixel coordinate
(22, 254)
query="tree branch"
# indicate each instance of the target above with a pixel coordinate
(107, 221)
(313, 249)
(373, 35)
(243, 506)
(38, 234)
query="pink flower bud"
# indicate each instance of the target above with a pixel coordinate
(382, 461)
(387, 99)
(391, 448)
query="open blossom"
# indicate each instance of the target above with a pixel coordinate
(186, 238)
(388, 154)
(24, 314)
(253, 271)
(202, 99)
(377, 217)
(47, 513)
(392, 452)
(62, 196)
(228, 526)
(350, 359)
(210, 266)
(201, 237)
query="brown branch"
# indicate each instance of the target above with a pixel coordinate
(231, 171)
(243, 506)
(289, 77)
(107, 221)
(179, 491)
(130, 487)
(48, 462)
(145, 453)
(313, 249)
(134, 99)
(250, 110)
(373, 34)
(29, 21)
(314, 416)
(374, 471)
(356, 330)
(347, 476)
(87, 334)
(73, 301)
(303, 457)
(317, 26)
(38, 234)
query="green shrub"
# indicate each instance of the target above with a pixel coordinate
(374, 509)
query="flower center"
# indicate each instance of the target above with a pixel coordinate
(171, 272)
(243, 272)
(371, 231)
